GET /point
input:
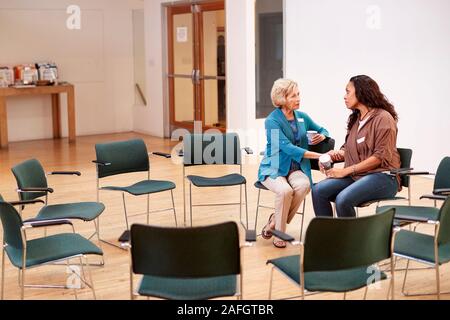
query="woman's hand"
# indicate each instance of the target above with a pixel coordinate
(317, 138)
(338, 173)
(336, 156)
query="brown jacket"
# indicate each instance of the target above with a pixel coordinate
(377, 137)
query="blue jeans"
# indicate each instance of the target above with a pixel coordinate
(347, 193)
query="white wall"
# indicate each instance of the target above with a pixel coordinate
(328, 41)
(97, 59)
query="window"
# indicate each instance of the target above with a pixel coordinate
(269, 52)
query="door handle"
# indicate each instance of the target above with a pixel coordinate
(193, 76)
(197, 76)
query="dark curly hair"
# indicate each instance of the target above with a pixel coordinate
(368, 93)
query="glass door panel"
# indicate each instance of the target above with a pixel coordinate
(183, 100)
(197, 65)
(213, 67)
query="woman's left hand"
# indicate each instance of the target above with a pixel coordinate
(337, 173)
(318, 138)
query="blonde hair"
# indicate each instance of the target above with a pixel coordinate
(280, 90)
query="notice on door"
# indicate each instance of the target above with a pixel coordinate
(182, 34)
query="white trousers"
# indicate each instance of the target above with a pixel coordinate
(289, 192)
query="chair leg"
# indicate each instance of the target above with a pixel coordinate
(246, 206)
(22, 284)
(303, 219)
(270, 282)
(184, 197)
(173, 207)
(97, 231)
(240, 203)
(257, 209)
(365, 293)
(3, 274)
(438, 282)
(190, 202)
(148, 208)
(74, 287)
(125, 210)
(392, 282)
(404, 278)
(90, 277)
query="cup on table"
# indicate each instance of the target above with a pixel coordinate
(325, 161)
(310, 135)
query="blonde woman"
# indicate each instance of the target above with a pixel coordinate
(285, 168)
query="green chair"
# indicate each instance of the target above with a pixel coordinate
(408, 214)
(441, 182)
(323, 147)
(404, 172)
(25, 254)
(32, 184)
(431, 250)
(213, 149)
(186, 263)
(114, 158)
(340, 255)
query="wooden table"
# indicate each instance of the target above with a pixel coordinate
(55, 92)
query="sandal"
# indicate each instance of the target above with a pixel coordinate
(279, 243)
(265, 234)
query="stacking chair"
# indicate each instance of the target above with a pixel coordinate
(404, 172)
(25, 254)
(114, 158)
(431, 250)
(405, 214)
(186, 263)
(441, 182)
(213, 149)
(329, 261)
(32, 184)
(323, 147)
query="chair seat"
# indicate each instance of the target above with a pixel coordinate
(333, 281)
(52, 248)
(368, 203)
(86, 211)
(430, 213)
(259, 185)
(420, 246)
(188, 289)
(224, 181)
(144, 187)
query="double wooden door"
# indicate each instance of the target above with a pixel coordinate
(197, 70)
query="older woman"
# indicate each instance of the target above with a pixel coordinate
(369, 150)
(285, 168)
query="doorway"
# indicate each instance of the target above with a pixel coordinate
(196, 65)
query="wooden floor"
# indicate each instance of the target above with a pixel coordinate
(112, 280)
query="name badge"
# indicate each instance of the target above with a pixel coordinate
(361, 140)
(301, 120)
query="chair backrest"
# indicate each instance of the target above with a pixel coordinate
(444, 220)
(345, 243)
(405, 162)
(30, 174)
(11, 223)
(442, 179)
(323, 147)
(207, 251)
(123, 156)
(211, 149)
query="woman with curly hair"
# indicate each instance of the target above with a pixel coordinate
(369, 150)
